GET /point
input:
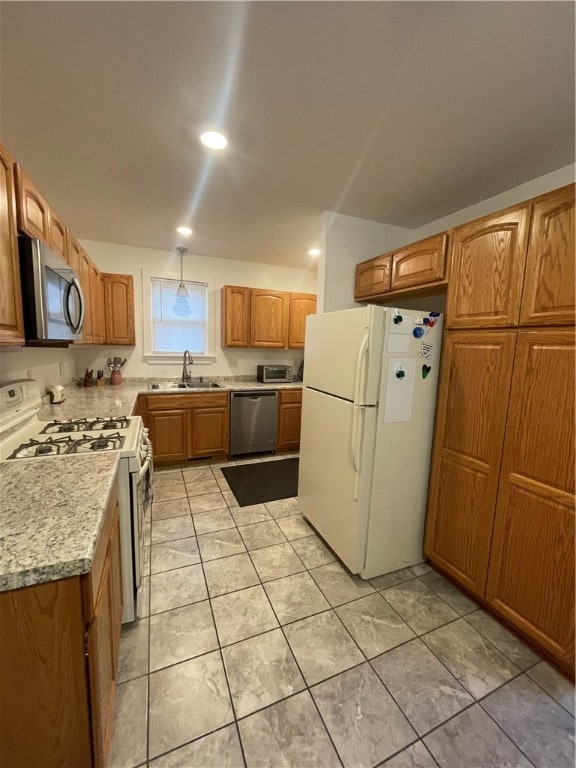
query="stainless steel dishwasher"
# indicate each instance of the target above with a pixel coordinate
(253, 421)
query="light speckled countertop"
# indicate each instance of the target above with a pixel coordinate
(120, 399)
(51, 510)
(51, 514)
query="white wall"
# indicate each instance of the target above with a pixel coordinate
(350, 240)
(112, 257)
(47, 366)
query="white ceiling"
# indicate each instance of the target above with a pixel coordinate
(399, 112)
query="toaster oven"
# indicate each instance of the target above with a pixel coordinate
(274, 373)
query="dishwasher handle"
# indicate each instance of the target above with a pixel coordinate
(256, 395)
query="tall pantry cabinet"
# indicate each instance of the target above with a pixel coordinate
(501, 500)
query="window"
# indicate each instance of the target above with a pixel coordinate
(179, 322)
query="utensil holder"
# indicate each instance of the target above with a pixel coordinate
(115, 377)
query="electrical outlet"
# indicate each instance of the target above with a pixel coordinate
(61, 367)
(28, 374)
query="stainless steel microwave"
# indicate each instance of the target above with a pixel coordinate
(52, 297)
(274, 373)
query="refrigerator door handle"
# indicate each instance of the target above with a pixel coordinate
(355, 443)
(360, 378)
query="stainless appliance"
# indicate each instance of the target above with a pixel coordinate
(274, 373)
(253, 421)
(24, 437)
(367, 419)
(53, 303)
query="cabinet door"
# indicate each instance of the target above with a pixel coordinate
(73, 253)
(235, 316)
(469, 433)
(85, 282)
(372, 277)
(169, 434)
(290, 419)
(422, 263)
(487, 269)
(210, 432)
(97, 304)
(531, 577)
(11, 322)
(119, 309)
(268, 318)
(33, 211)
(57, 241)
(548, 297)
(101, 660)
(301, 305)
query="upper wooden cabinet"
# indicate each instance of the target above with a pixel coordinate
(235, 316)
(301, 305)
(85, 282)
(256, 317)
(470, 422)
(268, 318)
(487, 270)
(57, 241)
(11, 321)
(407, 271)
(548, 296)
(372, 277)
(531, 575)
(73, 253)
(119, 309)
(33, 210)
(420, 264)
(97, 304)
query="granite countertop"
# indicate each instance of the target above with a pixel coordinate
(51, 515)
(120, 399)
(52, 510)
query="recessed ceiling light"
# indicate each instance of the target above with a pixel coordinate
(314, 252)
(184, 231)
(214, 139)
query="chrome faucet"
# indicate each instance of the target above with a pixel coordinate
(185, 375)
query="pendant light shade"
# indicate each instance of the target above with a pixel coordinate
(182, 291)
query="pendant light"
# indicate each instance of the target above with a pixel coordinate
(182, 291)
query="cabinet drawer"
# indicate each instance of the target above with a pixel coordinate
(188, 400)
(290, 396)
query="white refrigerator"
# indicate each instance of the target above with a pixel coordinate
(370, 380)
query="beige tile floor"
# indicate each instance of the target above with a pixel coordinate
(256, 648)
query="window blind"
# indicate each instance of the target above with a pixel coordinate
(179, 322)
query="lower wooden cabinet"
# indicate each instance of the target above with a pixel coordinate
(501, 498)
(290, 418)
(531, 572)
(475, 376)
(169, 433)
(210, 431)
(59, 644)
(188, 426)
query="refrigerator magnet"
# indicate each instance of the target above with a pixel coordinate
(426, 370)
(426, 350)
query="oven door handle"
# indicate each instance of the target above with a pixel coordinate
(147, 464)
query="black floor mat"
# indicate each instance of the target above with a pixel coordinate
(263, 481)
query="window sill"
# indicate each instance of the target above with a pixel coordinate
(162, 359)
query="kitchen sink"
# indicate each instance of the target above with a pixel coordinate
(185, 385)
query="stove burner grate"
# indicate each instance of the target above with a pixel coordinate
(48, 447)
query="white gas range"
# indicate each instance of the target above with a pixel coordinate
(23, 437)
